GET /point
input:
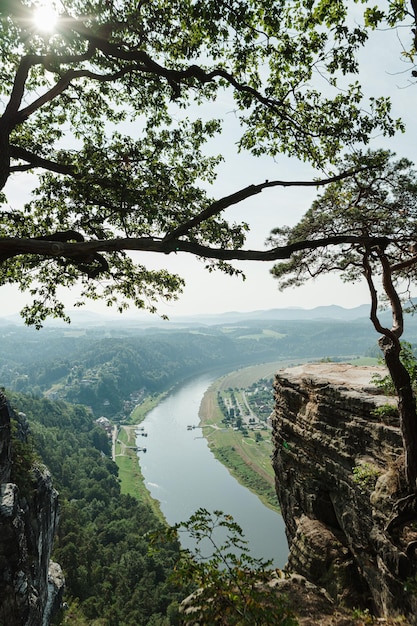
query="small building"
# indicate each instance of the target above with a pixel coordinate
(104, 423)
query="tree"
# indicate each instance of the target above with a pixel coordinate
(106, 109)
(378, 205)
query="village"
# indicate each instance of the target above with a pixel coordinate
(247, 408)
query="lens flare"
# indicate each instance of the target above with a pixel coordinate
(45, 17)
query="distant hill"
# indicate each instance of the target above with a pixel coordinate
(101, 361)
(333, 312)
(86, 318)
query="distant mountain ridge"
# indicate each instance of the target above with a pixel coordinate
(87, 318)
(332, 311)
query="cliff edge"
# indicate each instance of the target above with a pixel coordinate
(30, 584)
(338, 466)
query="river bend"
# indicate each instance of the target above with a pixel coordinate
(182, 473)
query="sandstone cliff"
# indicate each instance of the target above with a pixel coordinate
(340, 486)
(29, 583)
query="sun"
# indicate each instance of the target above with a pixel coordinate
(45, 16)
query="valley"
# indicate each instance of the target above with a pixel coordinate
(125, 374)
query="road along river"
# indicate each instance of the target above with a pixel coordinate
(182, 473)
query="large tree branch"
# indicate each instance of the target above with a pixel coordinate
(18, 90)
(33, 160)
(62, 85)
(100, 41)
(396, 306)
(22, 73)
(49, 246)
(223, 203)
(386, 332)
(404, 264)
(173, 76)
(414, 8)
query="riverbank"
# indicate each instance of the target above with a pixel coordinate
(132, 481)
(247, 459)
(131, 478)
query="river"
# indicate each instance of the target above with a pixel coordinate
(182, 473)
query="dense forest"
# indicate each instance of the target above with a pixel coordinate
(112, 578)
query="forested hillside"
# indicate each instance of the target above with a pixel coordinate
(109, 368)
(102, 542)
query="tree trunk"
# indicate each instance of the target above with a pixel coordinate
(391, 348)
(4, 156)
(406, 406)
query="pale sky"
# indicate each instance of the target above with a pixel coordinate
(383, 73)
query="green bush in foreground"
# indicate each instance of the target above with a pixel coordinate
(232, 586)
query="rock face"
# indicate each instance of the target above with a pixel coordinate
(28, 520)
(341, 488)
(5, 440)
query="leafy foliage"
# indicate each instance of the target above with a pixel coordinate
(386, 411)
(117, 108)
(379, 202)
(408, 359)
(365, 475)
(232, 585)
(24, 456)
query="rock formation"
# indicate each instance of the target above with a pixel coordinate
(338, 466)
(29, 582)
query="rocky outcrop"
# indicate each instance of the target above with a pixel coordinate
(28, 520)
(340, 485)
(5, 440)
